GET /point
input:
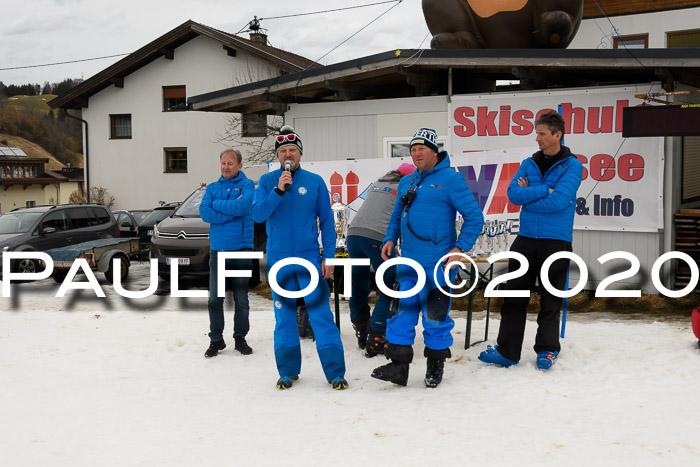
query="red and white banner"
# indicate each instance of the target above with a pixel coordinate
(622, 184)
(490, 135)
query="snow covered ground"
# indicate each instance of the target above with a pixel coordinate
(116, 382)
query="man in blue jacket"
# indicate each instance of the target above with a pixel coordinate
(226, 207)
(545, 186)
(424, 215)
(295, 203)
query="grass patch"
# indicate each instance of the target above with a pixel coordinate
(31, 103)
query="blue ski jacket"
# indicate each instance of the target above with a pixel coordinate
(544, 214)
(427, 227)
(293, 218)
(226, 207)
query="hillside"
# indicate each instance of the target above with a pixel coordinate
(31, 103)
(32, 150)
(30, 118)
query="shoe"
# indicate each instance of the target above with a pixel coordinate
(339, 383)
(433, 375)
(545, 360)
(361, 334)
(214, 348)
(491, 355)
(376, 342)
(394, 372)
(285, 382)
(242, 346)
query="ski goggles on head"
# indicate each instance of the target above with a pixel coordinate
(291, 137)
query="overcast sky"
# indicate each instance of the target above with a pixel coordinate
(49, 31)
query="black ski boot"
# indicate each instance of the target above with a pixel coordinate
(436, 366)
(242, 346)
(433, 375)
(376, 342)
(361, 325)
(395, 371)
(214, 348)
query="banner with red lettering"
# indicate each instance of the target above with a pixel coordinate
(622, 184)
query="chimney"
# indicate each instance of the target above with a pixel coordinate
(258, 37)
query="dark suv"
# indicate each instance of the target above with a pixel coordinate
(45, 227)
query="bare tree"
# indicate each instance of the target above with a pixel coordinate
(259, 148)
(98, 195)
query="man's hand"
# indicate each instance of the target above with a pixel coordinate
(523, 182)
(551, 190)
(455, 255)
(387, 249)
(326, 270)
(285, 178)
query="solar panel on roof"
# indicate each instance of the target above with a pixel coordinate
(8, 151)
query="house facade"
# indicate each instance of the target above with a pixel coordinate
(142, 144)
(25, 181)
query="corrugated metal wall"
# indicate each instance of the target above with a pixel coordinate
(339, 138)
(691, 168)
(590, 245)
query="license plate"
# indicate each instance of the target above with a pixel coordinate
(149, 232)
(181, 261)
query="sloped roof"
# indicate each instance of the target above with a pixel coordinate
(78, 96)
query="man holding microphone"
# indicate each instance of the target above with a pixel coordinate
(294, 203)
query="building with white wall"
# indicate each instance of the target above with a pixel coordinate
(141, 143)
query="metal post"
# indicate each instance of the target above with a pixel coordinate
(337, 297)
(566, 306)
(470, 305)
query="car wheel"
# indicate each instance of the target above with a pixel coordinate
(124, 272)
(26, 265)
(59, 276)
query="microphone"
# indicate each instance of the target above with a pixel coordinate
(287, 168)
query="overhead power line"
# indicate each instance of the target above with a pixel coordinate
(61, 63)
(320, 12)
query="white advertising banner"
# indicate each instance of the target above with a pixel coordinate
(622, 177)
(490, 135)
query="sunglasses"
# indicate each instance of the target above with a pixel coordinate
(290, 137)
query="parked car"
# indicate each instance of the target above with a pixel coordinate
(183, 237)
(128, 221)
(45, 227)
(156, 215)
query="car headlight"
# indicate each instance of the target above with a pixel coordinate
(6, 248)
(156, 234)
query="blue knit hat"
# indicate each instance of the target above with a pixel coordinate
(427, 137)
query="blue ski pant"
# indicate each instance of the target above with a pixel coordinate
(429, 303)
(363, 247)
(286, 340)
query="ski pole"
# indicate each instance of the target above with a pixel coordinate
(566, 306)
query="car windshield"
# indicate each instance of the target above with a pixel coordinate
(190, 208)
(139, 216)
(18, 222)
(156, 216)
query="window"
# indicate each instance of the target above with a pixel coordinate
(79, 218)
(681, 39)
(174, 98)
(254, 125)
(398, 147)
(98, 216)
(175, 160)
(56, 220)
(120, 126)
(31, 204)
(639, 41)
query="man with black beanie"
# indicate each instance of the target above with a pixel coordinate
(295, 203)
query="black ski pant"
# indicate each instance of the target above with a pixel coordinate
(513, 311)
